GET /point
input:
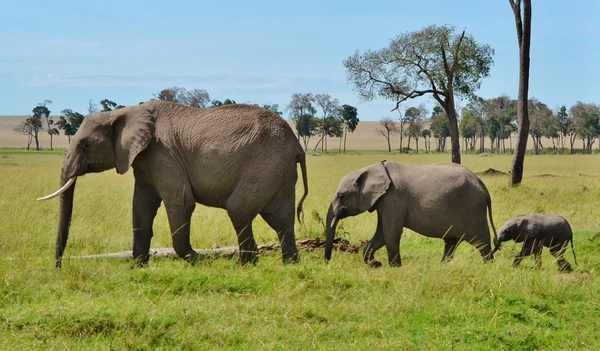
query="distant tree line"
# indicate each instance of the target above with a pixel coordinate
(495, 120)
(485, 125)
(69, 121)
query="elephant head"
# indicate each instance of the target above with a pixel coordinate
(105, 140)
(518, 229)
(357, 192)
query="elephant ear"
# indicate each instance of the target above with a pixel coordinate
(133, 129)
(527, 230)
(372, 183)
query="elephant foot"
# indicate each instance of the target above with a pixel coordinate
(566, 267)
(290, 259)
(141, 261)
(192, 258)
(248, 257)
(375, 264)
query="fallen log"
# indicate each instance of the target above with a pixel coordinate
(231, 251)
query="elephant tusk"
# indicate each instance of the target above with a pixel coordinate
(59, 191)
(334, 221)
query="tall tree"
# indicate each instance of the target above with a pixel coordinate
(41, 111)
(434, 60)
(349, 116)
(328, 106)
(387, 127)
(69, 122)
(563, 124)
(523, 24)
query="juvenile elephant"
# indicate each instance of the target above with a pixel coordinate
(442, 200)
(240, 158)
(536, 231)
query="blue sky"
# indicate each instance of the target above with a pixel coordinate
(263, 51)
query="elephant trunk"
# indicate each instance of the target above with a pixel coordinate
(330, 224)
(497, 244)
(66, 210)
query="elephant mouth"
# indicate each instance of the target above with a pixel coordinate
(342, 213)
(96, 168)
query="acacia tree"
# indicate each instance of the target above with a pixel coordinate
(434, 60)
(349, 117)
(69, 122)
(387, 127)
(29, 127)
(41, 110)
(523, 24)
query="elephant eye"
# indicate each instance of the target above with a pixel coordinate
(340, 195)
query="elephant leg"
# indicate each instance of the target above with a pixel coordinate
(526, 250)
(392, 232)
(281, 219)
(179, 212)
(449, 248)
(247, 245)
(558, 251)
(537, 253)
(145, 204)
(376, 242)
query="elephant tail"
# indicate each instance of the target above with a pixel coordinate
(572, 248)
(489, 206)
(302, 160)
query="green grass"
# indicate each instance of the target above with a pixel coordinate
(423, 305)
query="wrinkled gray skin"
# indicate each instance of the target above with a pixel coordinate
(238, 157)
(536, 231)
(443, 200)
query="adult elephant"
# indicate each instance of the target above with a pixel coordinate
(240, 158)
(442, 200)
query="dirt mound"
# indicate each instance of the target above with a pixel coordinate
(588, 175)
(492, 172)
(547, 175)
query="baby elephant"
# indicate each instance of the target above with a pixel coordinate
(537, 231)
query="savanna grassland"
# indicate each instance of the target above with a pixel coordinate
(423, 305)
